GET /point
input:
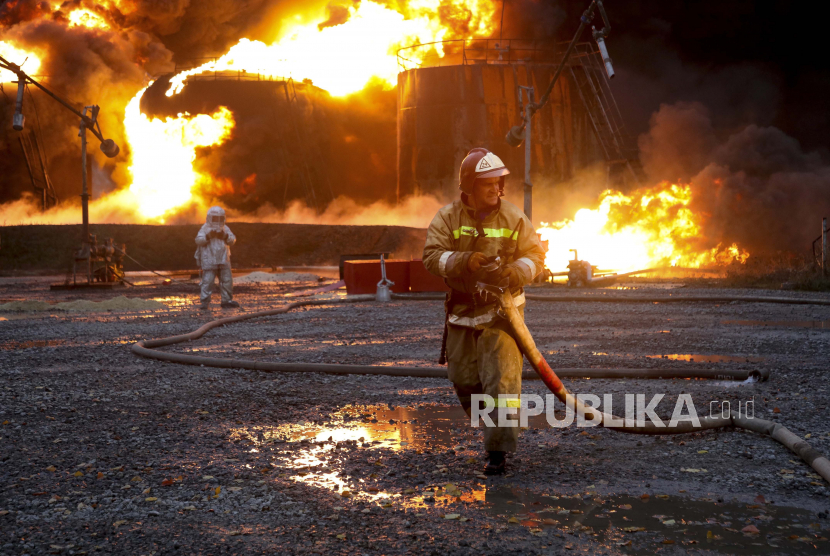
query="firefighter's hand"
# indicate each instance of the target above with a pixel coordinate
(475, 261)
(222, 235)
(513, 274)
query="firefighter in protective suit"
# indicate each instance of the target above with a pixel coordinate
(213, 255)
(481, 353)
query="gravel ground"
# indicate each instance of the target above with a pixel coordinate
(101, 451)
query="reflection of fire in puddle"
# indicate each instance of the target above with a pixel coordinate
(636, 525)
(428, 427)
(691, 357)
(436, 427)
(821, 324)
(698, 358)
(176, 301)
(633, 286)
(29, 316)
(12, 345)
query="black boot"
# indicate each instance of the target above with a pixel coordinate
(495, 463)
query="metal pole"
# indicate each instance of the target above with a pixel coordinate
(584, 20)
(85, 190)
(824, 245)
(528, 185)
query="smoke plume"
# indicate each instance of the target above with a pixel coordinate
(756, 186)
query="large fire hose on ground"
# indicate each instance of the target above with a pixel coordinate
(146, 348)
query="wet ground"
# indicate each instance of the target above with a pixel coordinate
(103, 452)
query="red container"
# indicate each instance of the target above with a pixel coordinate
(421, 280)
(363, 276)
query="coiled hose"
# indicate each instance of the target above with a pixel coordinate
(146, 348)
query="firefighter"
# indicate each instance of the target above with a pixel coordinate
(480, 349)
(213, 255)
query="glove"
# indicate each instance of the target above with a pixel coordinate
(513, 274)
(475, 261)
(210, 235)
(222, 235)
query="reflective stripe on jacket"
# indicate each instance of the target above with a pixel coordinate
(452, 237)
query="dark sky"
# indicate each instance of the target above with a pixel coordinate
(748, 62)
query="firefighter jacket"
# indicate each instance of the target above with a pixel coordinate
(456, 232)
(214, 252)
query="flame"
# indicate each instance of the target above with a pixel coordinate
(343, 58)
(163, 152)
(340, 58)
(652, 227)
(86, 18)
(29, 61)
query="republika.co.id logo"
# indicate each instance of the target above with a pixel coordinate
(511, 411)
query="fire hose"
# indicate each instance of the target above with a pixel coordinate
(525, 342)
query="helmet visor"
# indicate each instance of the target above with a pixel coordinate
(217, 220)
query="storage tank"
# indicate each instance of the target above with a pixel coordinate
(469, 98)
(290, 142)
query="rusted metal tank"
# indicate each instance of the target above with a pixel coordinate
(445, 110)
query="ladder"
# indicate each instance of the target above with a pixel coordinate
(310, 155)
(588, 72)
(36, 165)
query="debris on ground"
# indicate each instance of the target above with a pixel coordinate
(276, 278)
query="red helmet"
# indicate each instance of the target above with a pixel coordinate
(480, 163)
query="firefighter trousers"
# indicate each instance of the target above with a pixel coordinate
(225, 283)
(488, 362)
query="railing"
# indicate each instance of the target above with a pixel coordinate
(485, 51)
(225, 75)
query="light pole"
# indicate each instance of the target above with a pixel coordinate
(89, 122)
(521, 132)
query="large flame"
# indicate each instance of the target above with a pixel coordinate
(651, 227)
(28, 61)
(163, 152)
(343, 58)
(340, 58)
(82, 17)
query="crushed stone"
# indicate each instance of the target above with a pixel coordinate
(120, 303)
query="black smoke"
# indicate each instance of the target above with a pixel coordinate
(756, 186)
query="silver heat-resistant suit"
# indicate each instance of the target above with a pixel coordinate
(213, 255)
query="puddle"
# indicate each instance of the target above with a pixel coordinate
(691, 357)
(638, 286)
(698, 358)
(436, 427)
(660, 521)
(627, 523)
(176, 301)
(29, 316)
(822, 324)
(12, 345)
(429, 428)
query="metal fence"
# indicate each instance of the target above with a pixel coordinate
(486, 51)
